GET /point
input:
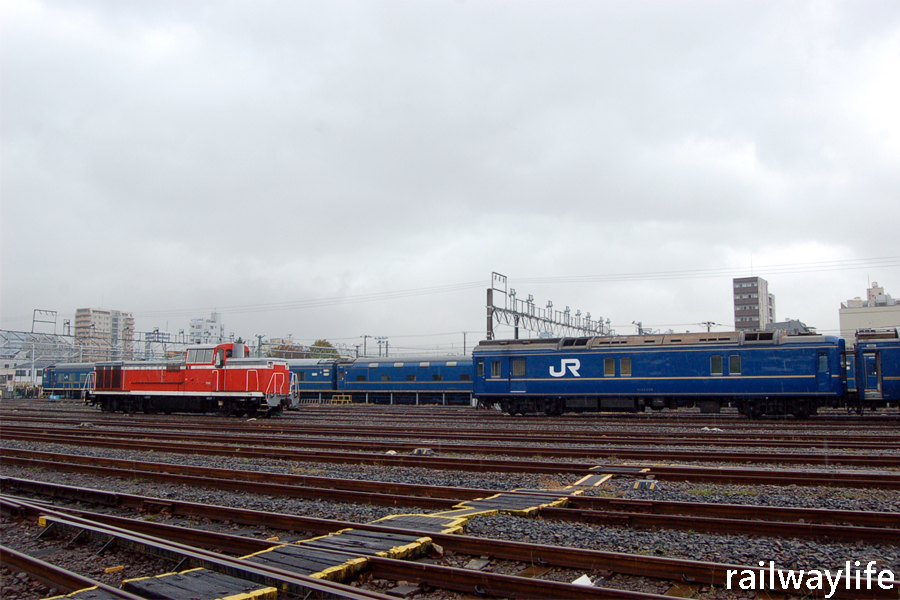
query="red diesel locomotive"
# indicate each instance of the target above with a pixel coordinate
(219, 379)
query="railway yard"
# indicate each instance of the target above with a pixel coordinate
(430, 502)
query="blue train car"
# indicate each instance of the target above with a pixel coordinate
(760, 373)
(433, 380)
(66, 380)
(877, 362)
(312, 379)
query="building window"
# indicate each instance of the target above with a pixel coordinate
(715, 365)
(495, 368)
(625, 366)
(518, 367)
(734, 364)
(609, 367)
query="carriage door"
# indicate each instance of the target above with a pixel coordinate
(871, 378)
(823, 373)
(517, 376)
(219, 371)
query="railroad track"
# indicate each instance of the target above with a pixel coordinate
(792, 440)
(846, 526)
(675, 570)
(122, 439)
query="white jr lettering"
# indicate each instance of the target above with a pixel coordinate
(573, 365)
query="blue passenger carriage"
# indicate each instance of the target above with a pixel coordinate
(877, 362)
(312, 379)
(433, 380)
(66, 380)
(758, 372)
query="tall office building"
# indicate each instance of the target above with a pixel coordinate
(104, 334)
(754, 306)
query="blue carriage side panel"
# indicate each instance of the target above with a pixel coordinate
(437, 380)
(877, 359)
(66, 379)
(313, 378)
(767, 372)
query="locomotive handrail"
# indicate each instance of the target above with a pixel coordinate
(87, 386)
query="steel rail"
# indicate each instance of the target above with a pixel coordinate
(198, 557)
(855, 479)
(57, 577)
(628, 564)
(585, 436)
(822, 458)
(117, 437)
(430, 414)
(444, 577)
(880, 527)
(757, 513)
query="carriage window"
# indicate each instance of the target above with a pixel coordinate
(873, 369)
(734, 364)
(715, 365)
(823, 362)
(495, 368)
(410, 377)
(518, 367)
(437, 377)
(465, 377)
(609, 367)
(385, 377)
(481, 368)
(625, 366)
(360, 377)
(301, 376)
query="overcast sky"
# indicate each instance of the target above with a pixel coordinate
(339, 169)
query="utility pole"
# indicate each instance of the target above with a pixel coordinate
(709, 325)
(259, 339)
(365, 337)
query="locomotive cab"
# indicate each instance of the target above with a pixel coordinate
(216, 355)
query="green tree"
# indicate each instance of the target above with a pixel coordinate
(322, 349)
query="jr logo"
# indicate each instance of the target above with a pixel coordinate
(573, 365)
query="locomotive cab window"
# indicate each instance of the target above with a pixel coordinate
(625, 366)
(715, 365)
(734, 364)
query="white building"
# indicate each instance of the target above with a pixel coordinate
(877, 310)
(207, 331)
